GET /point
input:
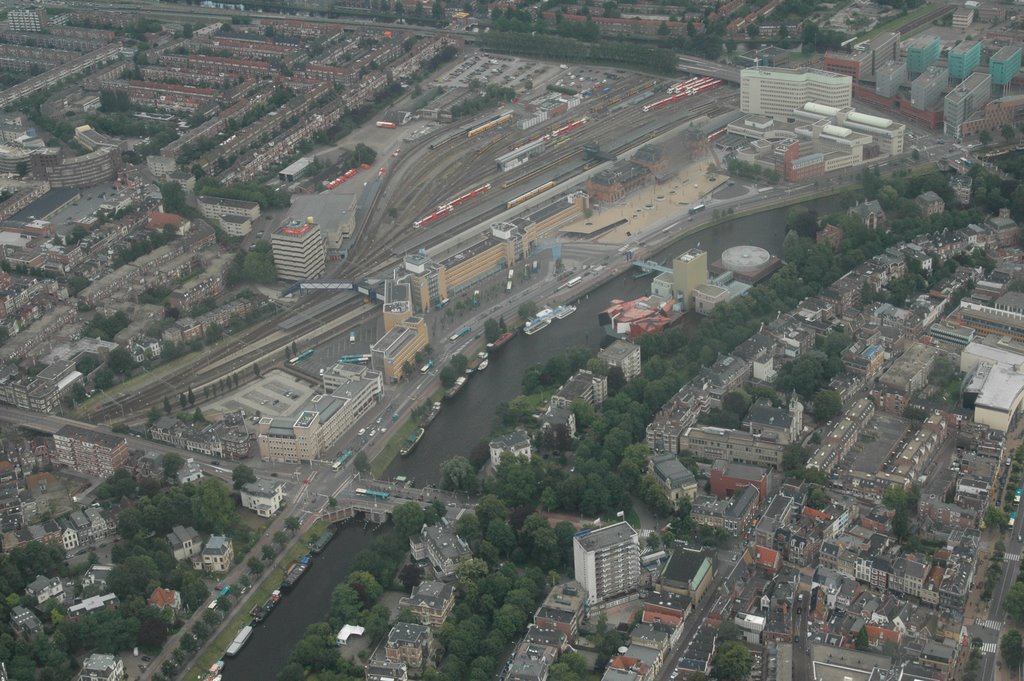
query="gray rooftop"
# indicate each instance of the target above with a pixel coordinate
(605, 537)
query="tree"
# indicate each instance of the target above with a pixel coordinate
(730, 631)
(996, 518)
(732, 661)
(407, 518)
(527, 309)
(167, 405)
(1015, 601)
(410, 575)
(817, 498)
(491, 330)
(292, 524)
(191, 397)
(985, 137)
(457, 473)
(171, 463)
(1012, 649)
(242, 476)
(862, 642)
(173, 196)
(827, 404)
(361, 462)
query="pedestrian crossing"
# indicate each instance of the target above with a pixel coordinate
(990, 624)
(989, 648)
(1011, 556)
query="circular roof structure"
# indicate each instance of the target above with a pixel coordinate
(745, 259)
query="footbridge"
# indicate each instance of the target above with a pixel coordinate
(366, 288)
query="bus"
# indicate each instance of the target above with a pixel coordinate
(459, 334)
(698, 208)
(508, 287)
(1017, 495)
(301, 356)
(426, 367)
(354, 359)
(510, 273)
(343, 459)
(375, 494)
(572, 282)
(1013, 517)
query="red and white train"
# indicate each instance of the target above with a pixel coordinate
(447, 208)
(687, 88)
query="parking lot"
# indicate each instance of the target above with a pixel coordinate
(275, 394)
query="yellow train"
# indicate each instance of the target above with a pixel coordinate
(536, 191)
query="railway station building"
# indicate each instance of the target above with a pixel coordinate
(615, 183)
(430, 281)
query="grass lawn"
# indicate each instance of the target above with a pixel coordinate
(269, 582)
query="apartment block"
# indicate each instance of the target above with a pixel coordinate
(299, 251)
(90, 452)
(606, 561)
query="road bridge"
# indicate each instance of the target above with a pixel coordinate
(377, 499)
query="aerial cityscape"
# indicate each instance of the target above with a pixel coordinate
(386, 340)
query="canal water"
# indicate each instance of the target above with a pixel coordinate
(467, 419)
(308, 602)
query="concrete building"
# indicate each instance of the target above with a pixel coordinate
(217, 555)
(516, 443)
(441, 546)
(890, 78)
(263, 497)
(963, 58)
(996, 392)
(398, 347)
(360, 384)
(430, 601)
(733, 445)
(102, 667)
(676, 479)
(922, 52)
(625, 356)
(865, 60)
(184, 542)
(727, 478)
(88, 451)
(408, 643)
(963, 101)
(986, 320)
(992, 117)
(1004, 65)
(927, 89)
(309, 435)
(606, 561)
(689, 572)
(299, 251)
(963, 17)
(776, 92)
(689, 271)
(562, 609)
(28, 19)
(235, 216)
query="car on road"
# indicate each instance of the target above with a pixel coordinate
(362, 431)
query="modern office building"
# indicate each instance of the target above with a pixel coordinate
(927, 89)
(922, 52)
(1004, 65)
(776, 92)
(607, 561)
(993, 116)
(299, 251)
(310, 435)
(964, 100)
(689, 271)
(865, 59)
(890, 77)
(963, 59)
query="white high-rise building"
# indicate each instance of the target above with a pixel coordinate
(27, 19)
(776, 92)
(607, 561)
(299, 251)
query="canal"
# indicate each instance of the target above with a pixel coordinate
(465, 421)
(308, 602)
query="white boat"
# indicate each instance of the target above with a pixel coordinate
(537, 326)
(564, 311)
(239, 641)
(483, 365)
